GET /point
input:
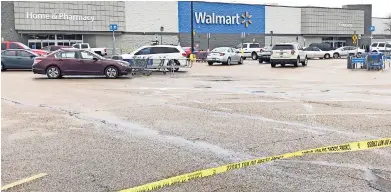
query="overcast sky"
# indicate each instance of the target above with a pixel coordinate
(379, 7)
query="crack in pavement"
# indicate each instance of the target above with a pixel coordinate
(317, 129)
(372, 178)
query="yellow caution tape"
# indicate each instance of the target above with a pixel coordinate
(355, 146)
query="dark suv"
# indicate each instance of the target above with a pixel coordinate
(322, 46)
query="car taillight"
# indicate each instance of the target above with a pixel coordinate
(292, 52)
(222, 54)
(184, 54)
(261, 50)
(36, 61)
(105, 50)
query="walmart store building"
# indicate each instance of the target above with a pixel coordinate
(38, 24)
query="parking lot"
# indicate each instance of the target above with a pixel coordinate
(98, 134)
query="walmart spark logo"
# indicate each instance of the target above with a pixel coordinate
(246, 19)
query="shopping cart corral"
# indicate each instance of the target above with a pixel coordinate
(369, 61)
(146, 65)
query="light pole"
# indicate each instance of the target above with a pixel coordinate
(161, 35)
(192, 27)
(208, 36)
(271, 38)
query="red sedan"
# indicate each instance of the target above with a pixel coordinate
(79, 62)
(18, 45)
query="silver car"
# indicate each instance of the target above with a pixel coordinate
(224, 55)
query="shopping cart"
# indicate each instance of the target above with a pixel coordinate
(201, 56)
(375, 61)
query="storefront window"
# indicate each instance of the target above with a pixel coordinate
(79, 37)
(69, 37)
(52, 37)
(60, 37)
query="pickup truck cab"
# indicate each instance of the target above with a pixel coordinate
(249, 50)
(86, 46)
(288, 53)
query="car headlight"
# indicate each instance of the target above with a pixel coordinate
(124, 64)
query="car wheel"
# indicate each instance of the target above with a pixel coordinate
(111, 72)
(210, 63)
(53, 72)
(335, 55)
(260, 61)
(305, 62)
(241, 60)
(297, 62)
(359, 54)
(282, 65)
(244, 58)
(229, 61)
(327, 56)
(272, 64)
(254, 56)
(2, 67)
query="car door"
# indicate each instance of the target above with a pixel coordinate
(318, 53)
(343, 51)
(91, 64)
(160, 56)
(27, 59)
(9, 59)
(69, 63)
(310, 52)
(236, 55)
(144, 53)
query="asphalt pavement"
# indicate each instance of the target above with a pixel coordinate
(97, 134)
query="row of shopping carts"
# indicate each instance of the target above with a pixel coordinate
(146, 65)
(370, 61)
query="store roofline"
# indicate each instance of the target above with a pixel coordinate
(67, 32)
(271, 5)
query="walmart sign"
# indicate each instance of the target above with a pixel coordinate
(221, 18)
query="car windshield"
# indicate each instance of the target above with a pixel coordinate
(219, 49)
(283, 47)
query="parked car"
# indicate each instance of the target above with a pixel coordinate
(17, 59)
(78, 62)
(347, 50)
(224, 55)
(18, 45)
(86, 46)
(288, 53)
(315, 52)
(381, 47)
(51, 48)
(156, 53)
(264, 56)
(250, 50)
(322, 46)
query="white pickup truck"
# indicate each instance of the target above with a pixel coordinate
(86, 46)
(249, 50)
